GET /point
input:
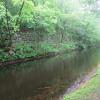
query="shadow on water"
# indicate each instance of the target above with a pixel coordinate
(46, 79)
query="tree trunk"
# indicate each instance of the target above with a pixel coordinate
(9, 36)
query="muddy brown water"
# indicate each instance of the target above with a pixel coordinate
(46, 79)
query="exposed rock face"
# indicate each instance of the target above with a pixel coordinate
(33, 37)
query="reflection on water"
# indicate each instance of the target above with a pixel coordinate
(47, 78)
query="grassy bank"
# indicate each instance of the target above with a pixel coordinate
(27, 51)
(89, 90)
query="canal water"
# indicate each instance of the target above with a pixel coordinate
(46, 79)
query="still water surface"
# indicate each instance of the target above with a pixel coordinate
(46, 79)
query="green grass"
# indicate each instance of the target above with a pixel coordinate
(86, 91)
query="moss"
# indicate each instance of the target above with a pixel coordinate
(86, 90)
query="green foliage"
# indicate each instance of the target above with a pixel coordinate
(2, 16)
(66, 21)
(24, 50)
(45, 19)
(7, 26)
